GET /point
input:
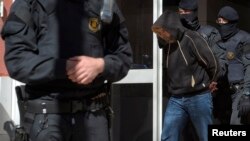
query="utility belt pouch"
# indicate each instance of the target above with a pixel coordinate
(16, 133)
(235, 88)
(21, 135)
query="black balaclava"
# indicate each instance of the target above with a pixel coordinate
(229, 29)
(191, 20)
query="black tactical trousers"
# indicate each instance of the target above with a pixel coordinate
(235, 119)
(222, 104)
(80, 126)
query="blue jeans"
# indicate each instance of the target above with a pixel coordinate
(180, 110)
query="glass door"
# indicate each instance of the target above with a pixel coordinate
(137, 99)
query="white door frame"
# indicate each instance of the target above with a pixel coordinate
(153, 76)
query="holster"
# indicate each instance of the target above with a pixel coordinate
(21, 135)
(22, 101)
(22, 97)
(16, 133)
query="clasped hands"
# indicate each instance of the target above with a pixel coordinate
(213, 86)
(84, 69)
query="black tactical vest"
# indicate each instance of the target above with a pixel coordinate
(233, 56)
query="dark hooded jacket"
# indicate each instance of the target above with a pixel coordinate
(190, 63)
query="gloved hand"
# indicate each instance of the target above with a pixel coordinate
(244, 105)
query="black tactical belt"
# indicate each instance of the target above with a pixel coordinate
(56, 107)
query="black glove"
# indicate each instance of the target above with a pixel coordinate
(244, 105)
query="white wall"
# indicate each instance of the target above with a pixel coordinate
(5, 94)
(8, 98)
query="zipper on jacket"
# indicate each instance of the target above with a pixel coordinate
(185, 59)
(168, 53)
(216, 69)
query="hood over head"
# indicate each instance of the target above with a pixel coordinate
(169, 21)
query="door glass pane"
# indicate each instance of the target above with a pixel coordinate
(139, 18)
(133, 112)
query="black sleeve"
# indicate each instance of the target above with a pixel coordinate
(22, 57)
(205, 56)
(220, 53)
(214, 37)
(210, 33)
(246, 62)
(118, 58)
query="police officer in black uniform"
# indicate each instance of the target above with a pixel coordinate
(188, 10)
(231, 51)
(244, 103)
(66, 52)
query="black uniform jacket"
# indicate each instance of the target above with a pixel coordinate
(234, 58)
(190, 63)
(210, 33)
(38, 45)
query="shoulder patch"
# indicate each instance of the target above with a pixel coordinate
(230, 55)
(94, 24)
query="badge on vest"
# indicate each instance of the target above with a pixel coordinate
(94, 24)
(230, 55)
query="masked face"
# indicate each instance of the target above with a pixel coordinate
(228, 30)
(189, 19)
